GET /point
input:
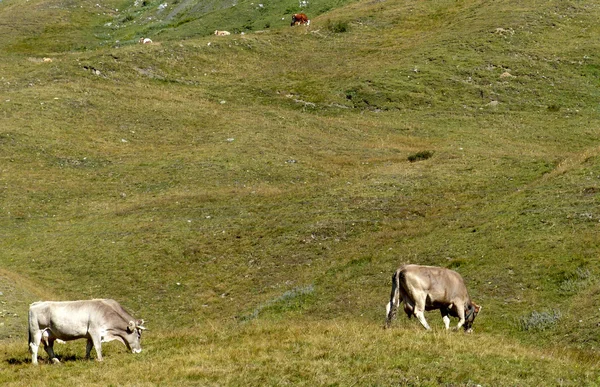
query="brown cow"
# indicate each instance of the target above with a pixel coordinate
(299, 18)
(429, 288)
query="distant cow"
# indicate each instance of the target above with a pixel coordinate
(299, 18)
(145, 40)
(222, 33)
(429, 288)
(97, 321)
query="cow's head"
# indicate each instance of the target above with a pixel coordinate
(133, 337)
(471, 311)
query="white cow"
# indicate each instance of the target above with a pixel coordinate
(96, 320)
(424, 288)
(222, 33)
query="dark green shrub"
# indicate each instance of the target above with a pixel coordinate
(423, 155)
(553, 108)
(338, 26)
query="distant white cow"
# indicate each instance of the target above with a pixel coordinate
(97, 321)
(424, 288)
(145, 40)
(222, 33)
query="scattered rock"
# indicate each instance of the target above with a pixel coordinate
(92, 69)
(504, 31)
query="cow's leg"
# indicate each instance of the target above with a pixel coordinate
(460, 310)
(49, 348)
(421, 316)
(97, 343)
(419, 311)
(35, 339)
(88, 348)
(446, 319)
(409, 308)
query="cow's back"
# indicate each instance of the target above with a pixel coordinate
(437, 282)
(74, 319)
(66, 319)
(116, 311)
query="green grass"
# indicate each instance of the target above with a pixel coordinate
(251, 197)
(308, 352)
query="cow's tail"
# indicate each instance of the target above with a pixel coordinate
(392, 306)
(30, 338)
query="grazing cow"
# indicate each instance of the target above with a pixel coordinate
(429, 288)
(145, 40)
(97, 321)
(222, 33)
(299, 18)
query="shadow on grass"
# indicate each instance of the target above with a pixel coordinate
(27, 360)
(18, 361)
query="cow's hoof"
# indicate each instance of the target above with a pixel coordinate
(55, 361)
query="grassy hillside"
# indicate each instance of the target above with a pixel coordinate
(251, 195)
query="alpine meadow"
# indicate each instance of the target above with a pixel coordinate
(250, 196)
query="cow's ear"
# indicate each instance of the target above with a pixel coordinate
(477, 307)
(131, 327)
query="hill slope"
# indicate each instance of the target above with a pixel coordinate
(251, 195)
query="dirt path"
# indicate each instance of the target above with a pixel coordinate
(16, 293)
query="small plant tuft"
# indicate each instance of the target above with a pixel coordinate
(455, 263)
(338, 26)
(127, 18)
(576, 281)
(422, 155)
(290, 300)
(539, 321)
(553, 108)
